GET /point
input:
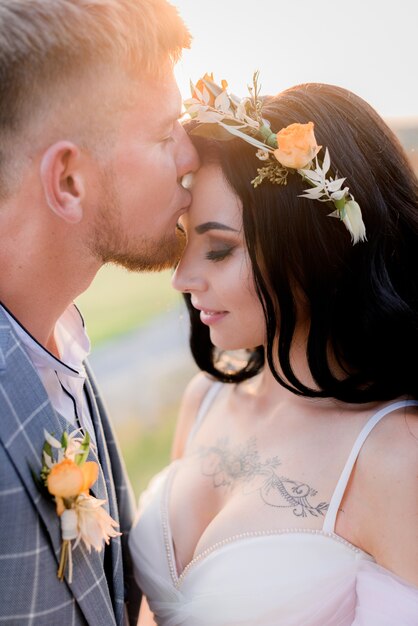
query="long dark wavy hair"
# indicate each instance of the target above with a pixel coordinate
(362, 300)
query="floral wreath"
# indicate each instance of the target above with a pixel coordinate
(293, 149)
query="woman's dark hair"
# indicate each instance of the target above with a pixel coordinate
(361, 299)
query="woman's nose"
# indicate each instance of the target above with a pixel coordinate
(186, 277)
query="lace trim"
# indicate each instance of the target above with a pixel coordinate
(261, 533)
(168, 539)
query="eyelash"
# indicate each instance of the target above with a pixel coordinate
(219, 255)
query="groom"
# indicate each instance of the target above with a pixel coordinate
(91, 161)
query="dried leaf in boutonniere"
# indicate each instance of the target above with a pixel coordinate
(68, 476)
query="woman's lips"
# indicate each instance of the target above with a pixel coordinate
(210, 317)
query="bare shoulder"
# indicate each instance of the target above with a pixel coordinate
(387, 472)
(392, 446)
(191, 401)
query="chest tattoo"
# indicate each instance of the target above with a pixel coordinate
(241, 465)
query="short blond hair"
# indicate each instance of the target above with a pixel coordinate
(47, 43)
(42, 41)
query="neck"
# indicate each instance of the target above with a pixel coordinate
(269, 392)
(42, 273)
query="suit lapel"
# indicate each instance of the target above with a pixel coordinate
(115, 544)
(99, 489)
(26, 412)
(126, 509)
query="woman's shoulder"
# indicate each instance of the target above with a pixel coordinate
(387, 472)
(390, 458)
(393, 443)
(192, 399)
(194, 394)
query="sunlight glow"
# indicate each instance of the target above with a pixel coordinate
(368, 47)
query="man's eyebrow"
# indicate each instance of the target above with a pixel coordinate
(203, 228)
(169, 120)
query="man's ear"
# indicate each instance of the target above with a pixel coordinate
(62, 181)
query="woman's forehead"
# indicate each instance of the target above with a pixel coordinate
(213, 199)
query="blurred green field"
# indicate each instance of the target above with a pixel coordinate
(117, 302)
(146, 451)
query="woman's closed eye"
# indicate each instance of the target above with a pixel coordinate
(219, 254)
(169, 135)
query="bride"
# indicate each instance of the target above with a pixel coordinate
(292, 496)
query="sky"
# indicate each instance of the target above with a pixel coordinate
(367, 46)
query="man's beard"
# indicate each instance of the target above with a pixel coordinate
(145, 256)
(138, 254)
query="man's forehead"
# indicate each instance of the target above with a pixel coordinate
(160, 99)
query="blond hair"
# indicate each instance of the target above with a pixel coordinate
(45, 44)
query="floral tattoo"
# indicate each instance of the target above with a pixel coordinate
(229, 467)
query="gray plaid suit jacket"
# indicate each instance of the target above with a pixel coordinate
(30, 541)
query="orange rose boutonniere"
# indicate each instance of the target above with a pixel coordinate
(68, 476)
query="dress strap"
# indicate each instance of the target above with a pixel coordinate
(208, 398)
(337, 496)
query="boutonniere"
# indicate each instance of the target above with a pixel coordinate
(68, 476)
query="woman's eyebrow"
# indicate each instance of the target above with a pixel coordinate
(203, 228)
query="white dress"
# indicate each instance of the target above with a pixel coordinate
(286, 577)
